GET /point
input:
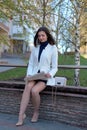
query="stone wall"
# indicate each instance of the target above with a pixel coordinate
(64, 104)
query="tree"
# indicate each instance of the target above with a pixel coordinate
(70, 28)
(78, 6)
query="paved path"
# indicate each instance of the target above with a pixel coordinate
(8, 121)
(12, 61)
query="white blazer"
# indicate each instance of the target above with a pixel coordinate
(48, 62)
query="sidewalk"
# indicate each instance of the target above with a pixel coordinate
(8, 121)
(12, 61)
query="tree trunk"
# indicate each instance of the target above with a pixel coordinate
(77, 46)
(44, 12)
(57, 26)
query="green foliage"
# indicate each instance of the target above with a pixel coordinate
(4, 39)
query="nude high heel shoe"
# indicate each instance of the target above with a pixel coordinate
(35, 117)
(19, 123)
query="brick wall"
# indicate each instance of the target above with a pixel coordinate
(68, 104)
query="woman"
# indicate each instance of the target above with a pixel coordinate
(44, 58)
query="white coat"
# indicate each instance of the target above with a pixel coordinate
(48, 62)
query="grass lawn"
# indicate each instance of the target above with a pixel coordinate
(15, 73)
(63, 60)
(69, 73)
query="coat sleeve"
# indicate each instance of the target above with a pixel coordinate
(31, 63)
(54, 61)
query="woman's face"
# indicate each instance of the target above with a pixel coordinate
(42, 36)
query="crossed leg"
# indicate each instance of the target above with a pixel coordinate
(37, 88)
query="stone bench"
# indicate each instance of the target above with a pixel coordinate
(58, 103)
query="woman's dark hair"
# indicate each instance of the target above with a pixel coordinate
(50, 38)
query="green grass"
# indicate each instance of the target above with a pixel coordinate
(69, 73)
(13, 74)
(63, 60)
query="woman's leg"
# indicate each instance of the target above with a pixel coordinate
(24, 102)
(37, 88)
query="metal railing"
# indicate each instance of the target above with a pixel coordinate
(59, 66)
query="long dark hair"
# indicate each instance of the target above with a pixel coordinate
(50, 38)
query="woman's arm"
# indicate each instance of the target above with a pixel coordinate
(54, 62)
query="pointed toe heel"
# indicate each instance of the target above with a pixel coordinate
(35, 118)
(20, 123)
